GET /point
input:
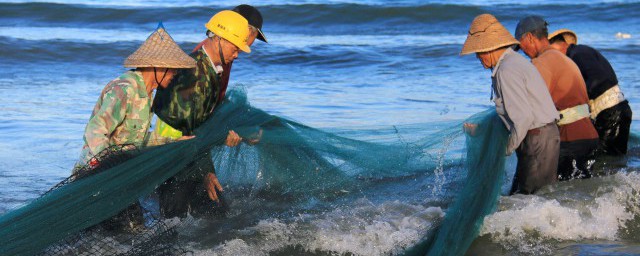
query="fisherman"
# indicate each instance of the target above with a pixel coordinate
(228, 32)
(254, 17)
(610, 111)
(522, 102)
(122, 115)
(579, 139)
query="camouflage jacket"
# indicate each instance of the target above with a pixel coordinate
(191, 97)
(122, 115)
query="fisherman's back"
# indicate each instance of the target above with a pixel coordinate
(567, 88)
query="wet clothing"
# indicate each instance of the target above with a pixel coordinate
(191, 97)
(537, 160)
(612, 124)
(568, 90)
(187, 194)
(576, 159)
(121, 116)
(526, 108)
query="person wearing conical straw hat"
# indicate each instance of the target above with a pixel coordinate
(522, 102)
(123, 114)
(578, 136)
(190, 100)
(610, 111)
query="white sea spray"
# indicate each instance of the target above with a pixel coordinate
(365, 229)
(531, 224)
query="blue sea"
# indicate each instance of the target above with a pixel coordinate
(330, 65)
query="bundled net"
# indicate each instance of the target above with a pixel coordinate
(96, 209)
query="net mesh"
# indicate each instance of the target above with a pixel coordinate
(96, 211)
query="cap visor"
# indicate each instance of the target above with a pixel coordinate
(245, 49)
(261, 36)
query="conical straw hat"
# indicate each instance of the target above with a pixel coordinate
(486, 34)
(160, 51)
(569, 36)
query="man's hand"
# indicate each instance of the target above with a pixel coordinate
(93, 163)
(212, 184)
(233, 139)
(255, 139)
(470, 128)
(186, 138)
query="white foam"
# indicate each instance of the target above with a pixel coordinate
(365, 229)
(529, 222)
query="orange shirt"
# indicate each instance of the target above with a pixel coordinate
(567, 88)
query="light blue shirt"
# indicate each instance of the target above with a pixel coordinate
(521, 97)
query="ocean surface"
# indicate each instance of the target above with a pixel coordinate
(330, 65)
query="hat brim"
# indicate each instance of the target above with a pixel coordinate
(261, 36)
(569, 36)
(160, 51)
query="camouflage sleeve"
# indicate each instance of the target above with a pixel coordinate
(106, 119)
(156, 140)
(174, 104)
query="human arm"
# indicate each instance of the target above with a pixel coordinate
(470, 128)
(213, 186)
(233, 139)
(517, 109)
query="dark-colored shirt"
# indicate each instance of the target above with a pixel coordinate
(224, 77)
(191, 97)
(596, 70)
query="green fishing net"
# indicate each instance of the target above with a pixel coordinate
(291, 161)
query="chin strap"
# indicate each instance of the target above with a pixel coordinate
(220, 51)
(156, 76)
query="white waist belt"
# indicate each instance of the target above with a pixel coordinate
(608, 99)
(572, 114)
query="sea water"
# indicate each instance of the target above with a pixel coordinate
(332, 65)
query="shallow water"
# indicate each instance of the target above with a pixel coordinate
(329, 64)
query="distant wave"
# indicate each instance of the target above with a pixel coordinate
(14, 14)
(200, 3)
(89, 35)
(74, 44)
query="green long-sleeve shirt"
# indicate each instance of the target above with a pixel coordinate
(191, 97)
